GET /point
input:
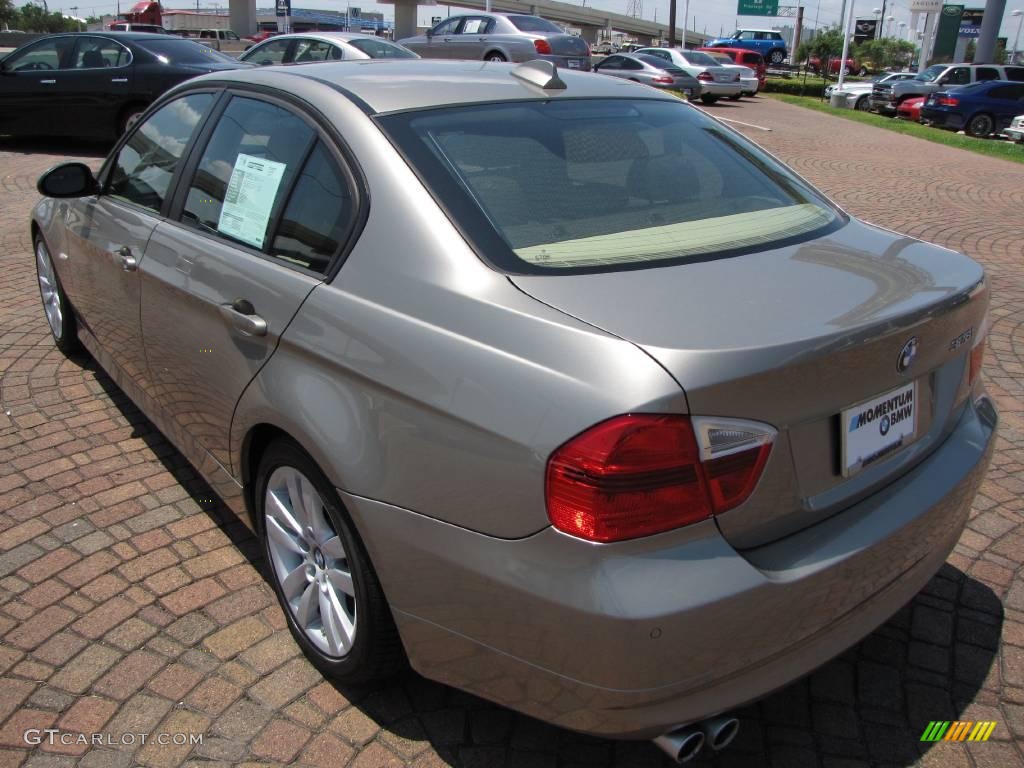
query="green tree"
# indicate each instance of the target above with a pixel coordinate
(33, 18)
(8, 14)
(884, 53)
(824, 45)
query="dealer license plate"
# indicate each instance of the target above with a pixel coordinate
(877, 427)
(574, 63)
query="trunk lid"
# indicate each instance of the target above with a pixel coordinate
(793, 337)
(567, 45)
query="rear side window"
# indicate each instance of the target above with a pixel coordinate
(986, 73)
(751, 58)
(600, 185)
(1007, 92)
(318, 215)
(142, 172)
(312, 50)
(1015, 73)
(98, 53)
(250, 160)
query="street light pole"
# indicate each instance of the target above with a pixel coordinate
(1016, 40)
(847, 30)
(686, 15)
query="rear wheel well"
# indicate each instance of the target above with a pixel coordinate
(253, 447)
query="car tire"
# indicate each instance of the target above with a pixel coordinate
(863, 71)
(863, 104)
(777, 56)
(323, 570)
(129, 117)
(495, 56)
(980, 126)
(59, 315)
(707, 98)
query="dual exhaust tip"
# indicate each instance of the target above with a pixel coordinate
(684, 744)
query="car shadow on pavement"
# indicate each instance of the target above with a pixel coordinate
(869, 706)
(67, 147)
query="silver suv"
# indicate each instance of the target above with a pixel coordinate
(886, 97)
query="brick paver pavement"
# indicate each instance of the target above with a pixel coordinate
(129, 604)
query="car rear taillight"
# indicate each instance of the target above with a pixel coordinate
(661, 79)
(705, 76)
(948, 101)
(640, 474)
(542, 46)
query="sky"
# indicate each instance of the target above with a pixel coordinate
(712, 16)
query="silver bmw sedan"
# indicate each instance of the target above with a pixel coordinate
(550, 384)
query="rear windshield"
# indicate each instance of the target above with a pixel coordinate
(698, 59)
(177, 51)
(533, 24)
(382, 49)
(602, 184)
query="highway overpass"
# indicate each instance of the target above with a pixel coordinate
(589, 20)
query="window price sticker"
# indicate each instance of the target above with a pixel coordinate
(250, 197)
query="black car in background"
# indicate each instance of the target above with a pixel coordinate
(95, 84)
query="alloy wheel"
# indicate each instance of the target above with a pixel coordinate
(309, 562)
(980, 125)
(49, 289)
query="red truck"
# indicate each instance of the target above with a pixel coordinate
(145, 16)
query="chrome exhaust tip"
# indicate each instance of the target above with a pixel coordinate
(682, 745)
(720, 731)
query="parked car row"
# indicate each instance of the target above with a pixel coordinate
(108, 79)
(527, 422)
(887, 96)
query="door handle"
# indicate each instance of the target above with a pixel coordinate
(241, 314)
(123, 256)
(47, 82)
(119, 79)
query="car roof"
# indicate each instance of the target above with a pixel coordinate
(394, 85)
(752, 29)
(114, 34)
(332, 37)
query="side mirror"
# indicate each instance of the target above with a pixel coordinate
(68, 180)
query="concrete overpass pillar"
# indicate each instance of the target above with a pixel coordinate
(405, 18)
(243, 16)
(589, 33)
(645, 40)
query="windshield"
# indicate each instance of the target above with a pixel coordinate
(172, 51)
(931, 73)
(382, 49)
(603, 184)
(696, 58)
(533, 24)
(721, 58)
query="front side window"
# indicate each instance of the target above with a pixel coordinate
(42, 57)
(958, 76)
(745, 35)
(144, 167)
(250, 160)
(448, 26)
(376, 48)
(604, 184)
(268, 53)
(98, 53)
(311, 50)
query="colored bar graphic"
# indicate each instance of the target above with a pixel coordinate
(958, 730)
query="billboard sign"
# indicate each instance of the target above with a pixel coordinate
(970, 22)
(865, 29)
(925, 6)
(757, 8)
(283, 8)
(947, 33)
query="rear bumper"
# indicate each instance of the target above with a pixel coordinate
(581, 62)
(1014, 134)
(942, 119)
(720, 89)
(632, 639)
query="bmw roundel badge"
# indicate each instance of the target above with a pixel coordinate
(907, 355)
